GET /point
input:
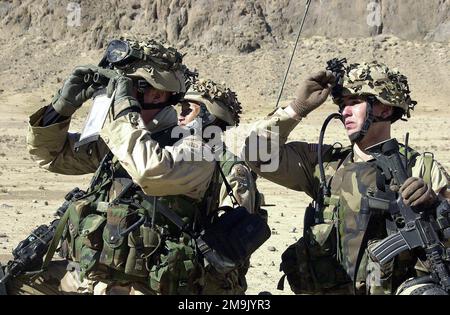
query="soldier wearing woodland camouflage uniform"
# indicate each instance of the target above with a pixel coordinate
(140, 174)
(326, 260)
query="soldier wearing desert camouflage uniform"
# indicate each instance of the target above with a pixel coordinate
(325, 260)
(203, 102)
(139, 167)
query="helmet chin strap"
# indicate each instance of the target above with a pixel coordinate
(359, 135)
(154, 106)
(206, 116)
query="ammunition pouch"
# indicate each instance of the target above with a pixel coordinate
(379, 277)
(82, 238)
(312, 268)
(78, 211)
(100, 242)
(90, 242)
(115, 247)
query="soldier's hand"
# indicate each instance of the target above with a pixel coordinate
(416, 193)
(123, 99)
(313, 92)
(75, 91)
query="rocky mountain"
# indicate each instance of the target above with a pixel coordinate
(216, 25)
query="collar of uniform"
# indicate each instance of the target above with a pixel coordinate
(357, 158)
(165, 119)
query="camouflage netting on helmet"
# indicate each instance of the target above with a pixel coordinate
(159, 65)
(167, 58)
(219, 99)
(389, 87)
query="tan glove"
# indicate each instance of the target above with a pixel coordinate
(415, 192)
(313, 92)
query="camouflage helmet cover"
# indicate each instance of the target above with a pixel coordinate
(161, 66)
(218, 99)
(389, 87)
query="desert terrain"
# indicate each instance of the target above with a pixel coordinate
(33, 66)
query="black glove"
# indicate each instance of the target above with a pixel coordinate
(123, 102)
(313, 92)
(75, 91)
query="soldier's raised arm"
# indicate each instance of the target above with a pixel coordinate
(292, 163)
(50, 143)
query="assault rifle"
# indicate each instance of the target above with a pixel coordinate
(416, 228)
(28, 255)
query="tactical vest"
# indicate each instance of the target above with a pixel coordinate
(325, 259)
(116, 232)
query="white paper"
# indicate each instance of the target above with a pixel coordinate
(95, 119)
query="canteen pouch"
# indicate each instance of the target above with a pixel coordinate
(176, 273)
(90, 242)
(91, 230)
(142, 244)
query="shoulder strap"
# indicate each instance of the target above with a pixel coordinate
(228, 186)
(103, 167)
(55, 241)
(428, 158)
(341, 155)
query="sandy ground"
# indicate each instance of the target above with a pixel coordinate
(29, 195)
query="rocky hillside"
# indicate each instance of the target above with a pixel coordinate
(216, 25)
(42, 40)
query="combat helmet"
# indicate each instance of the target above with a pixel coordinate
(158, 65)
(217, 99)
(389, 87)
(374, 82)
